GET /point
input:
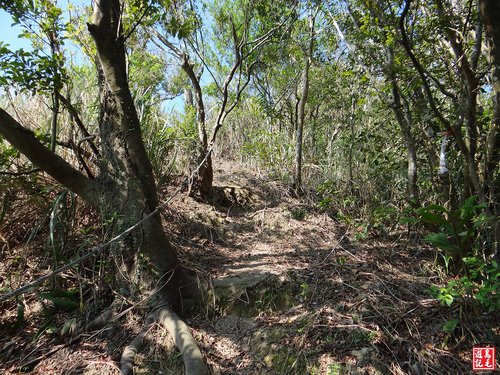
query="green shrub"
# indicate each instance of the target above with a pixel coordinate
(458, 232)
(481, 286)
(459, 237)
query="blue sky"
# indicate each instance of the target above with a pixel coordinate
(9, 34)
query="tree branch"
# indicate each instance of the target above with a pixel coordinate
(25, 141)
(72, 110)
(418, 67)
(167, 43)
(478, 42)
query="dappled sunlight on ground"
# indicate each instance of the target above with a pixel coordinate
(286, 291)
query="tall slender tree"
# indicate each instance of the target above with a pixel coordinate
(308, 56)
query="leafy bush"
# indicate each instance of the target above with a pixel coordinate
(298, 213)
(481, 286)
(165, 142)
(458, 232)
(459, 238)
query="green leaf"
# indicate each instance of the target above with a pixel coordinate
(447, 299)
(450, 325)
(440, 241)
(432, 218)
(409, 220)
(68, 300)
(49, 326)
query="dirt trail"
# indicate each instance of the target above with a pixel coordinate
(287, 291)
(309, 298)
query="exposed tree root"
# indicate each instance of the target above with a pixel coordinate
(129, 353)
(191, 354)
(99, 321)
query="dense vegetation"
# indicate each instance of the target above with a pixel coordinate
(384, 114)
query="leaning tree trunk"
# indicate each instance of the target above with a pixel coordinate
(126, 187)
(200, 167)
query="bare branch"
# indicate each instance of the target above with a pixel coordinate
(73, 111)
(168, 44)
(205, 65)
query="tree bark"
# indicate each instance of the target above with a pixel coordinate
(490, 13)
(126, 184)
(405, 126)
(302, 106)
(25, 141)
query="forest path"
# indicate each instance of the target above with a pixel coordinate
(258, 228)
(287, 290)
(291, 292)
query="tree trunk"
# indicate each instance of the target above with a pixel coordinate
(468, 76)
(490, 13)
(188, 98)
(350, 155)
(405, 126)
(467, 66)
(124, 190)
(200, 185)
(302, 105)
(55, 49)
(126, 185)
(200, 169)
